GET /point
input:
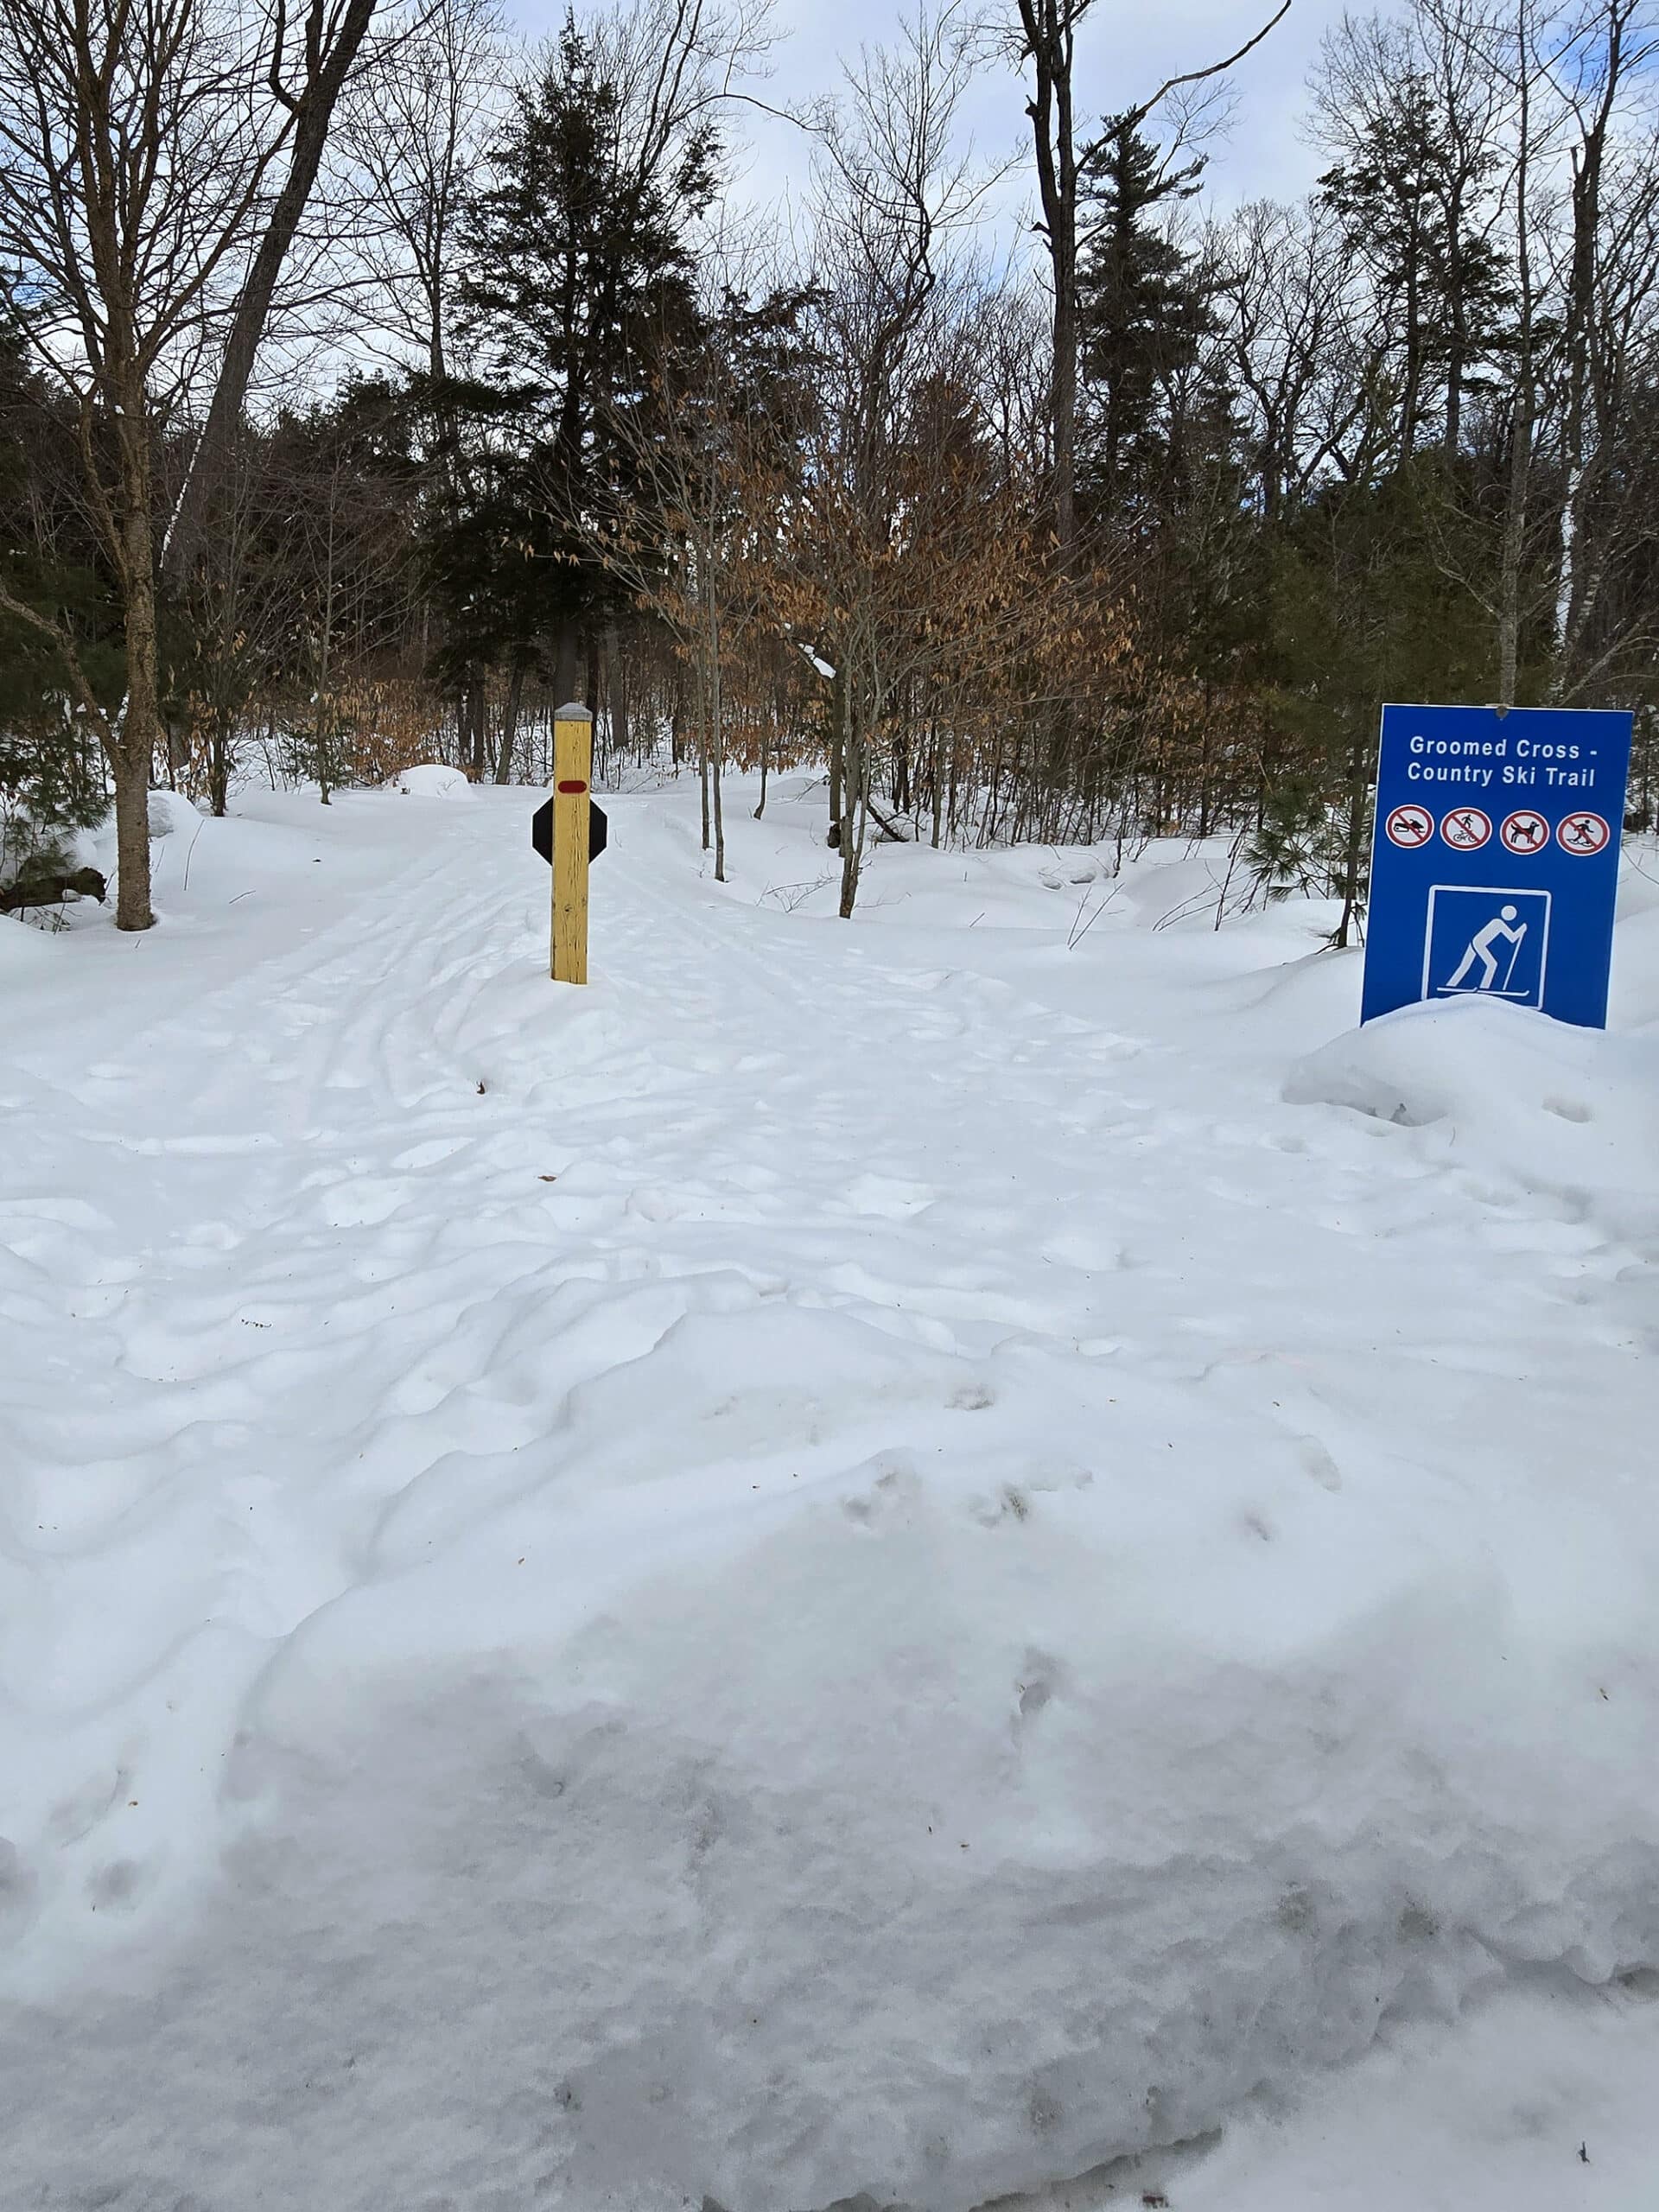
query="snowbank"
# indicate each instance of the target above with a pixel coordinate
(431, 781)
(26, 949)
(957, 1774)
(1552, 1108)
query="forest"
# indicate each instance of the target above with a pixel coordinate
(371, 382)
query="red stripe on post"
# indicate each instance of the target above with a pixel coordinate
(571, 785)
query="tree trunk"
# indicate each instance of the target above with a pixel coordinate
(848, 837)
(1047, 28)
(1514, 538)
(327, 67)
(132, 908)
(218, 765)
(837, 750)
(510, 725)
(616, 694)
(132, 749)
(716, 764)
(716, 724)
(1578, 427)
(1353, 857)
(566, 663)
(703, 745)
(1520, 427)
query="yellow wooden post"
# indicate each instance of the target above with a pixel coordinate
(573, 769)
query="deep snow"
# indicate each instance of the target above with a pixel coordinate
(904, 1558)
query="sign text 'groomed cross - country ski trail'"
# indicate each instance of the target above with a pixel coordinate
(1495, 858)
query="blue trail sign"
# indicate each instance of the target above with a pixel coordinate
(1495, 858)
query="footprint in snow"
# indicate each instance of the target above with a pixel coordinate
(886, 1198)
(362, 1203)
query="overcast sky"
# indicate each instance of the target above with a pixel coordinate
(1125, 50)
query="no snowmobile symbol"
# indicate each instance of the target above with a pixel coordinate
(1410, 827)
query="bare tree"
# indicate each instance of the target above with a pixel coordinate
(136, 150)
(142, 232)
(415, 126)
(1044, 41)
(1602, 67)
(308, 62)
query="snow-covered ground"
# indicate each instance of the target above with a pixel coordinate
(976, 1553)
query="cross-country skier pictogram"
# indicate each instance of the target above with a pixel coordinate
(1503, 924)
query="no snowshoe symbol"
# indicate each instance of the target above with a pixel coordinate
(1465, 828)
(1525, 832)
(1409, 826)
(1583, 834)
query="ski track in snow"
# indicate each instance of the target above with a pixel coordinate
(377, 1249)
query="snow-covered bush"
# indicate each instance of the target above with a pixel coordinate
(50, 789)
(430, 780)
(171, 812)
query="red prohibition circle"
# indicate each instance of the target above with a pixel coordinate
(1583, 834)
(1465, 828)
(1409, 827)
(1524, 832)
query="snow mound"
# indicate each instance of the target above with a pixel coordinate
(928, 1789)
(26, 949)
(430, 780)
(1555, 1109)
(171, 813)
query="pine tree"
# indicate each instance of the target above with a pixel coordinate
(580, 275)
(1142, 308)
(51, 775)
(1413, 203)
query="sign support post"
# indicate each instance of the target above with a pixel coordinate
(570, 832)
(573, 771)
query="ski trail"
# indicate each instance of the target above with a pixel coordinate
(383, 1251)
(376, 1150)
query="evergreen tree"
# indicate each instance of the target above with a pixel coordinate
(1414, 205)
(1142, 307)
(580, 274)
(51, 774)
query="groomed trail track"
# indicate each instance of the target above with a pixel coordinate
(854, 1566)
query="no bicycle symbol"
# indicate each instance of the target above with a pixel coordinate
(1525, 832)
(1583, 834)
(1465, 828)
(1410, 826)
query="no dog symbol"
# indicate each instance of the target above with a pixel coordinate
(1525, 832)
